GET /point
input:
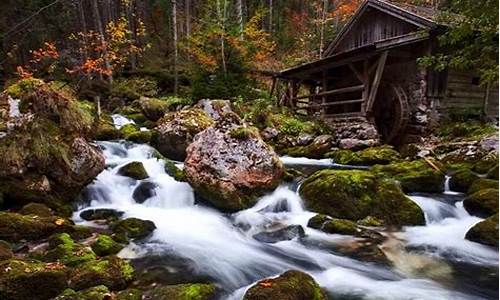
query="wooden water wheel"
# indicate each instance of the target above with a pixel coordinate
(391, 112)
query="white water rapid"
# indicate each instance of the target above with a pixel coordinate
(222, 248)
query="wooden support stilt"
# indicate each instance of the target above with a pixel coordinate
(376, 81)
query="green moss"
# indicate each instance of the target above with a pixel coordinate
(370, 221)
(485, 232)
(462, 180)
(64, 249)
(293, 285)
(371, 156)
(5, 250)
(140, 137)
(153, 108)
(105, 245)
(493, 173)
(196, 291)
(106, 130)
(133, 228)
(113, 272)
(483, 203)
(483, 165)
(466, 130)
(481, 184)
(23, 87)
(129, 294)
(27, 280)
(414, 176)
(134, 170)
(127, 130)
(243, 132)
(99, 292)
(172, 170)
(134, 87)
(354, 195)
(37, 209)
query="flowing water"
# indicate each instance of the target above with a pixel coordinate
(196, 242)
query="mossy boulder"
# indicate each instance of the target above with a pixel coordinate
(5, 250)
(414, 176)
(153, 108)
(191, 291)
(175, 131)
(15, 227)
(105, 129)
(462, 180)
(101, 214)
(36, 209)
(483, 203)
(113, 272)
(493, 173)
(291, 285)
(485, 232)
(172, 170)
(382, 155)
(133, 228)
(129, 294)
(355, 194)
(104, 245)
(64, 249)
(231, 173)
(30, 280)
(99, 292)
(483, 165)
(127, 130)
(316, 149)
(482, 184)
(134, 170)
(140, 137)
(331, 225)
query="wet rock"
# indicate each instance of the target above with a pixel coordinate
(99, 292)
(382, 155)
(105, 245)
(230, 166)
(37, 209)
(215, 108)
(482, 184)
(134, 170)
(493, 173)
(356, 144)
(414, 176)
(192, 291)
(28, 280)
(101, 214)
(16, 227)
(354, 195)
(284, 234)
(133, 228)
(316, 149)
(483, 203)
(269, 133)
(483, 165)
(153, 108)
(144, 191)
(489, 143)
(304, 139)
(5, 250)
(175, 131)
(106, 130)
(342, 226)
(291, 285)
(485, 232)
(113, 272)
(64, 249)
(462, 180)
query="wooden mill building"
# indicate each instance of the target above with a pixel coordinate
(370, 71)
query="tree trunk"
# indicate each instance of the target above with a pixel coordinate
(239, 7)
(271, 16)
(176, 50)
(221, 21)
(323, 28)
(100, 28)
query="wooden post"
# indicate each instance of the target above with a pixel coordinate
(323, 99)
(273, 87)
(376, 81)
(366, 83)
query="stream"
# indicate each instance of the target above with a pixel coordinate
(194, 242)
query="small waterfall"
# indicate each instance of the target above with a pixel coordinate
(221, 247)
(447, 186)
(121, 121)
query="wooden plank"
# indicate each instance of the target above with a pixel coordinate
(342, 102)
(344, 115)
(376, 81)
(349, 89)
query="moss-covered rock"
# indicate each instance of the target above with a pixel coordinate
(134, 170)
(331, 225)
(5, 250)
(153, 108)
(482, 184)
(105, 129)
(371, 222)
(37, 209)
(354, 195)
(462, 180)
(291, 285)
(113, 272)
(414, 176)
(483, 203)
(29, 280)
(172, 170)
(64, 249)
(101, 214)
(316, 149)
(99, 292)
(493, 173)
(127, 130)
(16, 227)
(133, 228)
(382, 155)
(105, 245)
(195, 291)
(140, 137)
(129, 294)
(485, 232)
(483, 165)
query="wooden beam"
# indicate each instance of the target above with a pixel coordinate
(335, 92)
(366, 82)
(345, 115)
(376, 81)
(341, 102)
(358, 75)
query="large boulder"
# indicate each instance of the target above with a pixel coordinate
(382, 155)
(175, 131)
(481, 184)
(291, 285)
(230, 166)
(215, 109)
(485, 232)
(355, 194)
(45, 148)
(153, 108)
(483, 203)
(422, 175)
(461, 180)
(315, 149)
(64, 249)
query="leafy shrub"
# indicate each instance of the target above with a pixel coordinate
(134, 87)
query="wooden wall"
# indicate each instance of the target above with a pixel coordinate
(375, 26)
(463, 93)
